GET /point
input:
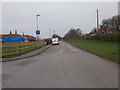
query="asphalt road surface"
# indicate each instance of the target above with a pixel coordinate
(61, 66)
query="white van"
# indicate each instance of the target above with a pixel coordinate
(55, 41)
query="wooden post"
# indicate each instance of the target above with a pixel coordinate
(22, 47)
(17, 49)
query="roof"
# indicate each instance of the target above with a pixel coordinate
(17, 35)
(10, 35)
(30, 37)
(108, 31)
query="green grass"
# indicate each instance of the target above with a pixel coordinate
(108, 50)
(7, 50)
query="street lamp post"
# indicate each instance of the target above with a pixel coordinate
(37, 24)
(37, 20)
(37, 31)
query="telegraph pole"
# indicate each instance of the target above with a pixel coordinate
(50, 33)
(97, 20)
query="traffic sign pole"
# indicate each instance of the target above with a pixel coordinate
(37, 31)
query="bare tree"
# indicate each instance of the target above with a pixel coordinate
(73, 34)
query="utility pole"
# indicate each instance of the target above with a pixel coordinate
(50, 33)
(54, 31)
(97, 20)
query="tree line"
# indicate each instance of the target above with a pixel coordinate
(112, 24)
(73, 34)
(109, 24)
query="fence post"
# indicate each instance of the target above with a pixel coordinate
(22, 47)
(17, 49)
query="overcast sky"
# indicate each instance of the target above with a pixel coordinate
(60, 16)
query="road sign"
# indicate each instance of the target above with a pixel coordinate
(38, 32)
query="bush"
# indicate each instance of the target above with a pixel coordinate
(111, 37)
(48, 41)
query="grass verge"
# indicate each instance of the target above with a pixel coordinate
(14, 55)
(108, 50)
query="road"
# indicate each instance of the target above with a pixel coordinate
(61, 66)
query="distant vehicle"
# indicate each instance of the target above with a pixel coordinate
(14, 39)
(55, 41)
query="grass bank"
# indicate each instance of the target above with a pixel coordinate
(14, 55)
(8, 50)
(108, 50)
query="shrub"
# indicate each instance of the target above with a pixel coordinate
(111, 37)
(48, 41)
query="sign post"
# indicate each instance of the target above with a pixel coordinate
(38, 33)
